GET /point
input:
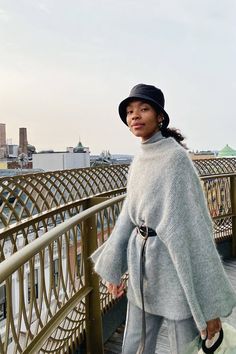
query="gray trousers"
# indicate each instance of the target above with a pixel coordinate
(180, 333)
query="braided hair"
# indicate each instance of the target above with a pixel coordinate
(174, 133)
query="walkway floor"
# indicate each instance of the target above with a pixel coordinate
(113, 346)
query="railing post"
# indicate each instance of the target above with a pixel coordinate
(94, 336)
(233, 203)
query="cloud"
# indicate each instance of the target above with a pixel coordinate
(4, 16)
(44, 6)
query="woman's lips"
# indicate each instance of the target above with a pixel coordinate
(137, 126)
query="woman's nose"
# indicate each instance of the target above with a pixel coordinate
(135, 115)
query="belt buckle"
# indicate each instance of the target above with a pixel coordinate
(145, 236)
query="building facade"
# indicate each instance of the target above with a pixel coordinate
(53, 161)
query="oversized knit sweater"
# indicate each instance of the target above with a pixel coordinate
(183, 275)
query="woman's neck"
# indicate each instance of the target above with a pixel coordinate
(154, 138)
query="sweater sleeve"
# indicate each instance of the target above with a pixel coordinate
(189, 239)
(110, 260)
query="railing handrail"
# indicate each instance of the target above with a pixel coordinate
(24, 196)
(231, 174)
(11, 264)
(55, 210)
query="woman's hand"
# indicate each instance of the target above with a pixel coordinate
(213, 326)
(115, 290)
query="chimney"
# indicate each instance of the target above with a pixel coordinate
(3, 135)
(23, 141)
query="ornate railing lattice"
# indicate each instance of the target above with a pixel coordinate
(215, 166)
(32, 204)
(46, 292)
(24, 196)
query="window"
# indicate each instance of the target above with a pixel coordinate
(3, 302)
(55, 272)
(36, 285)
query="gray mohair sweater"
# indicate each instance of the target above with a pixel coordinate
(184, 275)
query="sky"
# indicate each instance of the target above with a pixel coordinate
(65, 65)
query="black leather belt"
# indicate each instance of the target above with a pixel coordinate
(145, 232)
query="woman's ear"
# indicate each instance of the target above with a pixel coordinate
(160, 118)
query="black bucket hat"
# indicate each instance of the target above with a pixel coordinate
(151, 95)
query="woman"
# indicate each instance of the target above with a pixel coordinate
(163, 238)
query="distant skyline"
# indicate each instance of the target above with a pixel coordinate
(66, 65)
(10, 142)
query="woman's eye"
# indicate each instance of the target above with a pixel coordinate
(144, 109)
(129, 112)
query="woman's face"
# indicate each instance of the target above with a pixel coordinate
(142, 119)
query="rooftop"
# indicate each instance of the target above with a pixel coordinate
(227, 151)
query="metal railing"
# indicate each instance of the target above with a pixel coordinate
(51, 291)
(215, 166)
(23, 196)
(32, 204)
(220, 192)
(54, 301)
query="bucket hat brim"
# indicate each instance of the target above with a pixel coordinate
(123, 105)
